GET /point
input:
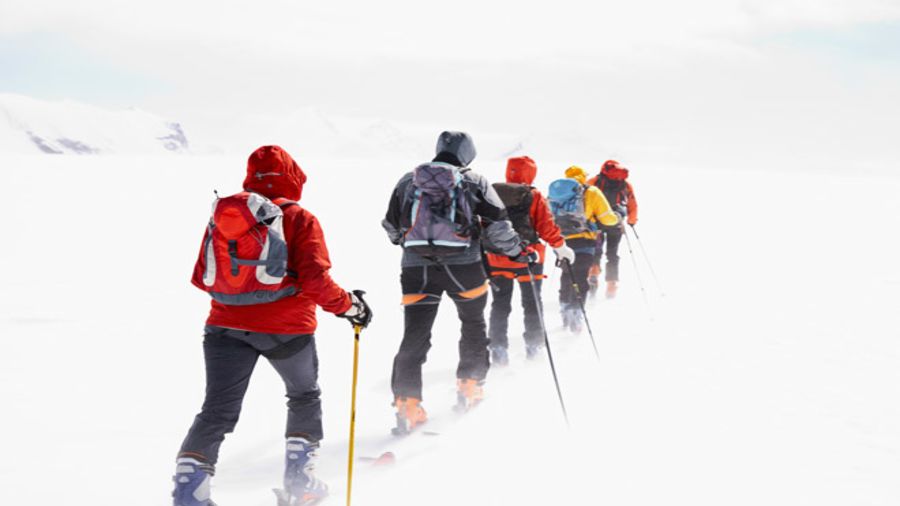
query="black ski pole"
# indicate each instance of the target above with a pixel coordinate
(578, 295)
(637, 273)
(540, 311)
(662, 293)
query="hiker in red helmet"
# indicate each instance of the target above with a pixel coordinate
(531, 218)
(264, 262)
(612, 181)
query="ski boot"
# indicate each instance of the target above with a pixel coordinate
(192, 483)
(594, 280)
(469, 393)
(533, 351)
(575, 323)
(301, 488)
(566, 315)
(611, 288)
(499, 356)
(410, 414)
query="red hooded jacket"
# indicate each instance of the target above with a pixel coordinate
(614, 170)
(523, 170)
(273, 173)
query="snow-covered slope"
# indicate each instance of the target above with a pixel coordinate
(769, 375)
(28, 125)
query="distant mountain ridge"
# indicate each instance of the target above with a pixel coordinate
(29, 125)
(33, 126)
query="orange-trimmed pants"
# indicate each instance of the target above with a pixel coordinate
(502, 282)
(423, 288)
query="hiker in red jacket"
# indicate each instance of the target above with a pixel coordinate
(613, 182)
(531, 218)
(277, 324)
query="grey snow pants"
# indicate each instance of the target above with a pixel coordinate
(230, 357)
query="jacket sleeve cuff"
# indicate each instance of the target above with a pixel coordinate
(346, 305)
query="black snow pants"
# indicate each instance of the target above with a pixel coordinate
(612, 237)
(230, 357)
(501, 305)
(423, 287)
(583, 260)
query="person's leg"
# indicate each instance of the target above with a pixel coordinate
(501, 306)
(229, 365)
(574, 311)
(581, 268)
(294, 358)
(594, 273)
(612, 254)
(531, 307)
(468, 289)
(297, 362)
(406, 380)
(566, 292)
(421, 302)
(598, 248)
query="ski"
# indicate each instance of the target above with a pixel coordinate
(284, 498)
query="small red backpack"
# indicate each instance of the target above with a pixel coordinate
(244, 255)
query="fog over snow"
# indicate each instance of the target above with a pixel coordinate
(768, 375)
(761, 139)
(735, 83)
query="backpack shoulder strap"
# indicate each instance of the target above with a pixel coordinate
(284, 203)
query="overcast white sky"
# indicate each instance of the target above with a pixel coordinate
(813, 80)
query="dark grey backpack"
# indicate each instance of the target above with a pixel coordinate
(437, 212)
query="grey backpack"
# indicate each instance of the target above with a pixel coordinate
(437, 212)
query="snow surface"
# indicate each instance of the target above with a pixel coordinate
(769, 375)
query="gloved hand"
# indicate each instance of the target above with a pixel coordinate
(565, 253)
(528, 255)
(359, 313)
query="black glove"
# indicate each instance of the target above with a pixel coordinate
(359, 313)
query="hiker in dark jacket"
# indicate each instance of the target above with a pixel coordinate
(531, 217)
(464, 211)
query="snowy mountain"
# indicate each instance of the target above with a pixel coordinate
(33, 126)
(29, 125)
(314, 132)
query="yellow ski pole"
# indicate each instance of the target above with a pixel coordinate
(357, 329)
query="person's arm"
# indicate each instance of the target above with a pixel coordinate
(632, 205)
(543, 221)
(309, 256)
(499, 230)
(391, 221)
(597, 208)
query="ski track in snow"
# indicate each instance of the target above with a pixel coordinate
(769, 375)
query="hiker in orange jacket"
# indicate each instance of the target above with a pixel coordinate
(612, 181)
(530, 215)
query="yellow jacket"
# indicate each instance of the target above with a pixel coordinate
(596, 208)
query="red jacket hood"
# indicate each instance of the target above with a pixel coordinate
(272, 172)
(617, 173)
(521, 169)
(614, 170)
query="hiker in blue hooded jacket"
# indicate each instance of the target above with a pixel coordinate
(439, 213)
